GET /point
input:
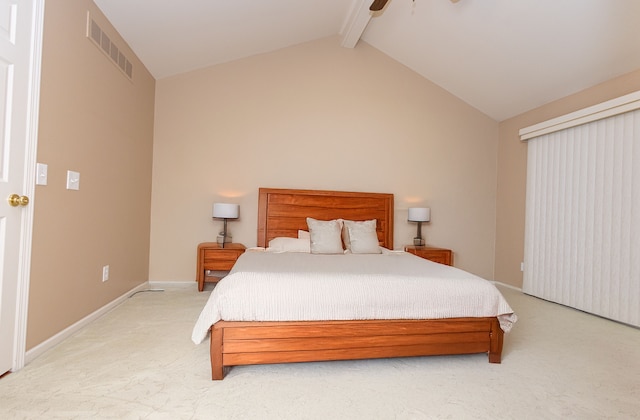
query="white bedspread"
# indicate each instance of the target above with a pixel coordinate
(265, 286)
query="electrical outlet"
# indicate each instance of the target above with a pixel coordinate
(105, 273)
(522, 266)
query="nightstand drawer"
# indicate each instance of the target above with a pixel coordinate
(220, 260)
(439, 255)
(212, 257)
(436, 257)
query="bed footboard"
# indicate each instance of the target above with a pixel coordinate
(246, 343)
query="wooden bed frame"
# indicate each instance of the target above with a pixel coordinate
(282, 212)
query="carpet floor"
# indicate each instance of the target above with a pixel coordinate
(138, 362)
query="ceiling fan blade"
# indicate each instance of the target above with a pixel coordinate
(377, 5)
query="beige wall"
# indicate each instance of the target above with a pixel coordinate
(95, 121)
(314, 115)
(512, 168)
(318, 116)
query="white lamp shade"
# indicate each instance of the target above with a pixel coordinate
(225, 210)
(419, 214)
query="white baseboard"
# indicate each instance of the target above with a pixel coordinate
(50, 343)
(176, 283)
(507, 286)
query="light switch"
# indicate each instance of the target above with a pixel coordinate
(41, 173)
(73, 180)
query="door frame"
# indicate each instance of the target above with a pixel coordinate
(29, 180)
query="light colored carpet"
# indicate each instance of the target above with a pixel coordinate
(137, 362)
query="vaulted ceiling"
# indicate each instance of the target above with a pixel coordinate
(503, 57)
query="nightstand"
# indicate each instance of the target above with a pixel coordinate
(439, 255)
(211, 256)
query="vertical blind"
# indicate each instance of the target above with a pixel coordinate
(582, 232)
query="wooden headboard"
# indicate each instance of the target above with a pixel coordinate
(282, 212)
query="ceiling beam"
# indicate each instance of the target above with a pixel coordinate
(355, 23)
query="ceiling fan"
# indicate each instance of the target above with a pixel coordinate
(378, 5)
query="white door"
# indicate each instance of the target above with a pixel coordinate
(20, 40)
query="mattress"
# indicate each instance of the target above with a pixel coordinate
(295, 286)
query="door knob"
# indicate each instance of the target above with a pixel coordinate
(16, 200)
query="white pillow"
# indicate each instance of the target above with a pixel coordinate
(361, 237)
(283, 244)
(325, 236)
(304, 234)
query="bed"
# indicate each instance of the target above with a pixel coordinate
(282, 213)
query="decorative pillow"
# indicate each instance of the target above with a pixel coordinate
(361, 237)
(345, 235)
(283, 244)
(325, 236)
(304, 234)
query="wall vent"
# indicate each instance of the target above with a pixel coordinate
(111, 50)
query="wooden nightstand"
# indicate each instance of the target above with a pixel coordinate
(439, 255)
(212, 256)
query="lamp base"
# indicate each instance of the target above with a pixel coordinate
(227, 239)
(418, 241)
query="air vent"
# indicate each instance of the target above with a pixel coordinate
(111, 50)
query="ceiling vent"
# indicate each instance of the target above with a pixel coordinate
(111, 50)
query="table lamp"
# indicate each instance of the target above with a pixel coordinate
(225, 211)
(419, 214)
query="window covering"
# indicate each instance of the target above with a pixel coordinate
(606, 109)
(582, 231)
